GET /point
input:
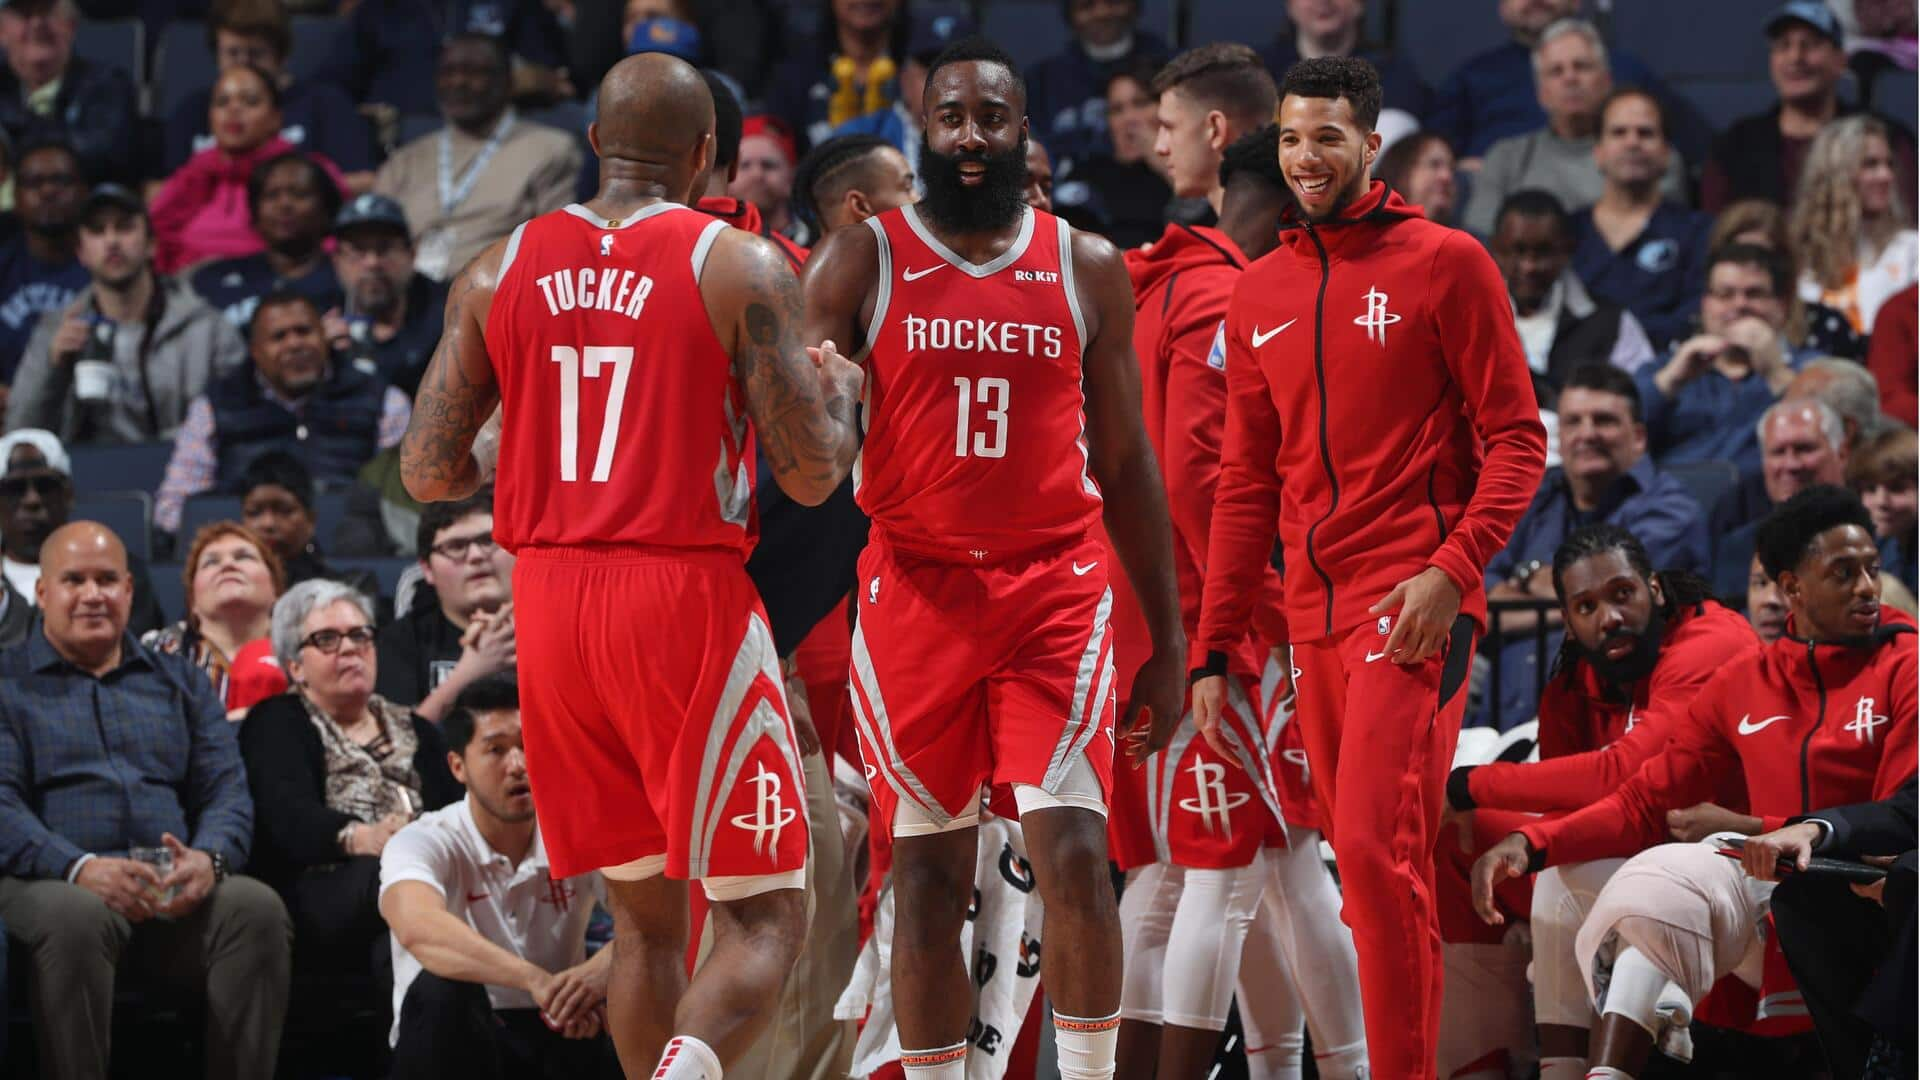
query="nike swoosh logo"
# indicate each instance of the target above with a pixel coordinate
(916, 275)
(1261, 337)
(1748, 728)
(1372, 656)
(1081, 571)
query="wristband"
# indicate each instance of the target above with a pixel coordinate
(1459, 787)
(1536, 857)
(1216, 665)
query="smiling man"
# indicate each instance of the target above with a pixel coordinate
(1389, 519)
(1823, 716)
(1003, 403)
(428, 656)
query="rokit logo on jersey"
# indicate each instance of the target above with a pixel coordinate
(982, 335)
(1049, 277)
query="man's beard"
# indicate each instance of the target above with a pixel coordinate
(1639, 663)
(376, 296)
(995, 204)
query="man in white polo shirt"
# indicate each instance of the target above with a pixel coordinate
(490, 975)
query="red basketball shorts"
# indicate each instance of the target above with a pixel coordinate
(1294, 780)
(656, 729)
(964, 676)
(1208, 812)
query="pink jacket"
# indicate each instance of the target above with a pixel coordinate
(201, 212)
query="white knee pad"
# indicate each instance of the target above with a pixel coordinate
(1562, 897)
(1146, 919)
(1642, 993)
(1202, 961)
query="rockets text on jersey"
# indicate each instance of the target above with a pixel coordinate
(976, 445)
(622, 422)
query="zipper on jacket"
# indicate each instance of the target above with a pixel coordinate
(1806, 744)
(1320, 380)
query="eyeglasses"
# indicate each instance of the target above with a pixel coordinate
(457, 548)
(48, 180)
(329, 641)
(45, 486)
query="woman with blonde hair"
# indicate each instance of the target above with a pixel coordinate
(1850, 230)
(232, 580)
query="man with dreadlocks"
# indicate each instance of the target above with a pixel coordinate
(1639, 647)
(1207, 837)
(1824, 716)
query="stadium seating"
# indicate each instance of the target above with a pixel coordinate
(315, 38)
(1897, 93)
(120, 43)
(1233, 20)
(1449, 34)
(183, 64)
(128, 513)
(1666, 36)
(1707, 481)
(130, 467)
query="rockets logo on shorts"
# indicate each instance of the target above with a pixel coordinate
(1211, 800)
(769, 815)
(1217, 355)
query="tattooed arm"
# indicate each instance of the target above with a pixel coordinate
(803, 410)
(457, 394)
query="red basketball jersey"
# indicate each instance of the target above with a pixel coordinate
(976, 445)
(622, 424)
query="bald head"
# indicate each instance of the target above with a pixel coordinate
(654, 110)
(81, 540)
(85, 594)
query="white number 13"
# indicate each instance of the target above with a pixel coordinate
(596, 357)
(971, 392)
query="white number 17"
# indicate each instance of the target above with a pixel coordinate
(596, 357)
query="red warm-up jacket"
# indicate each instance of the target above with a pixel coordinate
(742, 214)
(1593, 737)
(1807, 726)
(1379, 410)
(1181, 284)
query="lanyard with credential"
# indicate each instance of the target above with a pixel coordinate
(454, 192)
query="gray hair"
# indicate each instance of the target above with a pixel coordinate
(1561, 28)
(1851, 392)
(1830, 426)
(291, 610)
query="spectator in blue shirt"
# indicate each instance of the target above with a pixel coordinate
(1605, 475)
(46, 92)
(105, 747)
(292, 203)
(1317, 28)
(392, 48)
(315, 115)
(1492, 95)
(1067, 92)
(40, 267)
(1633, 247)
(1802, 443)
(1702, 402)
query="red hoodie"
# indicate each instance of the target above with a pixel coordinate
(1181, 284)
(742, 214)
(1808, 726)
(1593, 739)
(1398, 414)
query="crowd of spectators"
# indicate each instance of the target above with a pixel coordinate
(249, 283)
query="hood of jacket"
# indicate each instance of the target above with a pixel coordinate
(1181, 247)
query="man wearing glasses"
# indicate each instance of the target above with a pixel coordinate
(40, 268)
(430, 654)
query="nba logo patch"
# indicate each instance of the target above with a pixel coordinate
(606, 244)
(1217, 355)
(1385, 625)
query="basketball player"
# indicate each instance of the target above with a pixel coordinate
(1198, 885)
(629, 342)
(1001, 387)
(850, 178)
(1372, 363)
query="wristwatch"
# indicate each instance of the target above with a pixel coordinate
(220, 870)
(1523, 574)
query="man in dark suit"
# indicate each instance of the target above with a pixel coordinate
(1851, 948)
